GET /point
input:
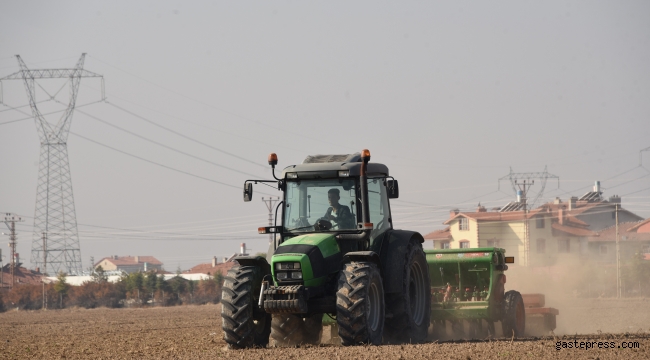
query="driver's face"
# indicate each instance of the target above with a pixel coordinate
(333, 199)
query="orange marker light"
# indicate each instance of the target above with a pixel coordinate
(261, 230)
(365, 154)
(273, 159)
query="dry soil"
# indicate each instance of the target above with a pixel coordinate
(194, 332)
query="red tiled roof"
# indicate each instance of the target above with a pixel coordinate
(22, 276)
(582, 207)
(442, 234)
(625, 233)
(207, 268)
(639, 224)
(571, 230)
(130, 260)
(496, 216)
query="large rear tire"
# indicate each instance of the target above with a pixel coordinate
(411, 307)
(244, 325)
(514, 319)
(360, 304)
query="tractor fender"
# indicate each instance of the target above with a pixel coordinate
(392, 249)
(258, 261)
(361, 256)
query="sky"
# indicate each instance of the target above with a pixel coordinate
(449, 95)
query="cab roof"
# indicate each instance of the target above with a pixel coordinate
(328, 166)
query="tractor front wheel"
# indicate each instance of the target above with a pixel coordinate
(514, 320)
(244, 325)
(360, 304)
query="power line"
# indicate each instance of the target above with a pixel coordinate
(302, 135)
(185, 136)
(153, 162)
(198, 124)
(50, 113)
(166, 146)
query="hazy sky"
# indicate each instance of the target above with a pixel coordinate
(449, 95)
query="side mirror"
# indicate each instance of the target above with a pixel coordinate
(393, 189)
(248, 192)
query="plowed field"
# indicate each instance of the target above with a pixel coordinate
(195, 332)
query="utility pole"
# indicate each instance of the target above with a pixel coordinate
(44, 254)
(523, 199)
(269, 205)
(618, 260)
(10, 221)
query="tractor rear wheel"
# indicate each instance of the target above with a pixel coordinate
(313, 329)
(287, 329)
(244, 325)
(514, 319)
(411, 307)
(360, 304)
(292, 330)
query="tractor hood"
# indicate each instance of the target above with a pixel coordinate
(318, 254)
(326, 243)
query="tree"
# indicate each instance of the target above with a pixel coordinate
(150, 281)
(134, 282)
(99, 275)
(61, 287)
(178, 285)
(162, 286)
(218, 278)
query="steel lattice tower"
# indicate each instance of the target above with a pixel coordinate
(55, 239)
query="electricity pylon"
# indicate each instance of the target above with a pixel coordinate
(528, 178)
(54, 216)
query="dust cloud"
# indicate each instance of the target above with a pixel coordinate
(585, 295)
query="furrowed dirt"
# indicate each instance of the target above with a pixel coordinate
(194, 332)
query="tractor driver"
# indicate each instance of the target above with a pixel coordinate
(338, 213)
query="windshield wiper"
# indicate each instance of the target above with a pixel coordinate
(300, 228)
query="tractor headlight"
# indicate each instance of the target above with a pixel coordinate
(287, 266)
(296, 275)
(281, 275)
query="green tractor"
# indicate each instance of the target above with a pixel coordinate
(336, 259)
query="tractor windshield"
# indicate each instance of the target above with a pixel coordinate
(320, 205)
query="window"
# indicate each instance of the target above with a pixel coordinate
(306, 201)
(493, 243)
(541, 246)
(464, 244)
(463, 223)
(444, 245)
(603, 249)
(563, 246)
(378, 207)
(540, 222)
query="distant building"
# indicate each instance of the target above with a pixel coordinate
(21, 276)
(211, 268)
(634, 237)
(579, 228)
(130, 264)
